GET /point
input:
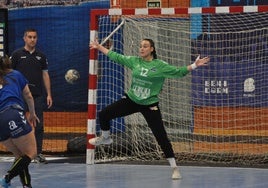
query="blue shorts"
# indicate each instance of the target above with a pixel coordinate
(13, 123)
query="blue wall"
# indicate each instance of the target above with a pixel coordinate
(64, 38)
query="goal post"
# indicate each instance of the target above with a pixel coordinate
(216, 113)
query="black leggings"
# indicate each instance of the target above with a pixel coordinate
(152, 115)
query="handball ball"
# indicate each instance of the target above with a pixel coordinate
(71, 76)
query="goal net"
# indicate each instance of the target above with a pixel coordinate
(216, 113)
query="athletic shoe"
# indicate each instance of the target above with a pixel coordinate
(3, 183)
(176, 174)
(40, 159)
(27, 186)
(100, 141)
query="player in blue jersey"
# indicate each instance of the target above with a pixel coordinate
(16, 132)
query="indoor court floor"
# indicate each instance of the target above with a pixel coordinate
(80, 175)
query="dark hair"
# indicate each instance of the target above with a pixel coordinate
(152, 45)
(29, 30)
(5, 67)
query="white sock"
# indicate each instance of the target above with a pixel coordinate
(105, 134)
(172, 162)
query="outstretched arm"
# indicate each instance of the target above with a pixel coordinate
(198, 63)
(95, 45)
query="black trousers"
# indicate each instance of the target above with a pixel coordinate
(152, 115)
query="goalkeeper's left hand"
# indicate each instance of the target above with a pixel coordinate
(199, 62)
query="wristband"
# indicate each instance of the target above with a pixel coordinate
(193, 66)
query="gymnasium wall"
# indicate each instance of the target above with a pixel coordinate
(64, 38)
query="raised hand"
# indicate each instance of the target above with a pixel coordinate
(201, 62)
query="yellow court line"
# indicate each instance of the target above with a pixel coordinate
(230, 132)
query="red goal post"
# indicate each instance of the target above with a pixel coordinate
(93, 54)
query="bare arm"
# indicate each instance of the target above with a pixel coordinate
(30, 102)
(47, 85)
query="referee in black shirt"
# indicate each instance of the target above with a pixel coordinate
(32, 63)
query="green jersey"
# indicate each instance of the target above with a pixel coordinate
(147, 77)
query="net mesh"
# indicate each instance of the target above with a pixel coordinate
(215, 114)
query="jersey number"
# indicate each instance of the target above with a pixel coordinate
(144, 72)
